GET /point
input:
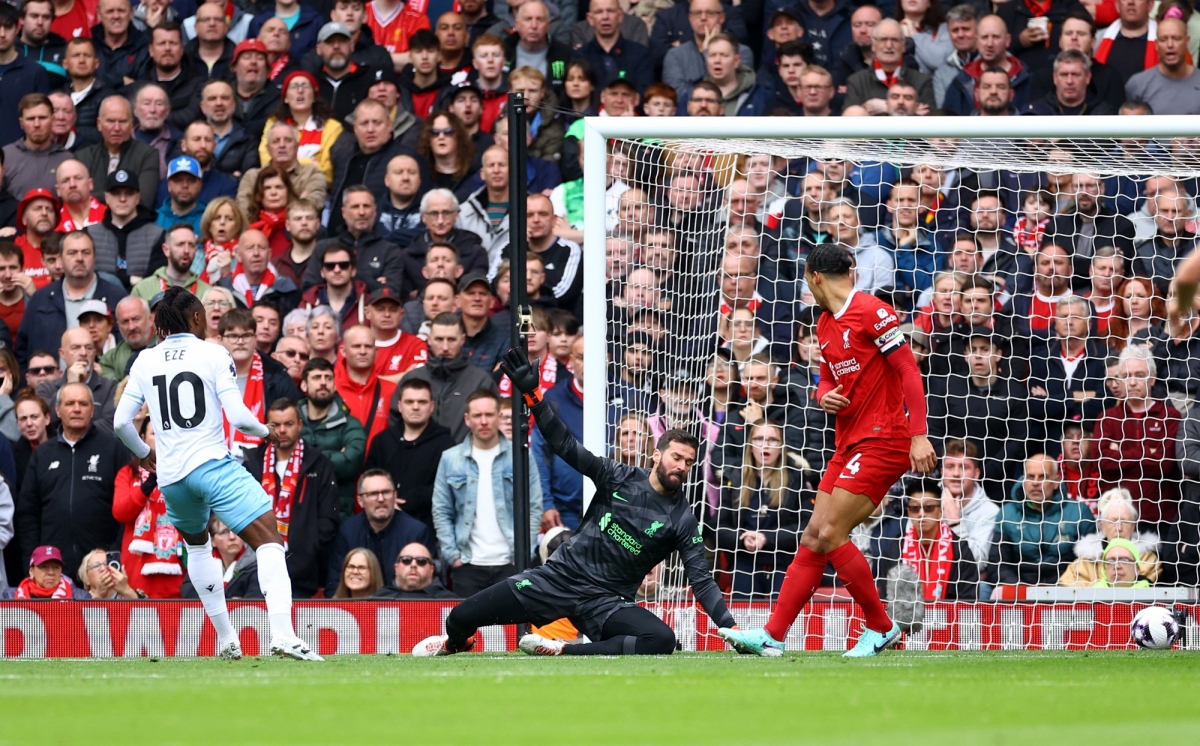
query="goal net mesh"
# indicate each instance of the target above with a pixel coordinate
(1031, 276)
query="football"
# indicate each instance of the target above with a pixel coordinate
(1155, 628)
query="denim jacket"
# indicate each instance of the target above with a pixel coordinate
(454, 491)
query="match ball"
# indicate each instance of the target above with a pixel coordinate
(1155, 628)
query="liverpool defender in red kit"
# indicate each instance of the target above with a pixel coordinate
(868, 379)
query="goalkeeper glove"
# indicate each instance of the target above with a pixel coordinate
(523, 374)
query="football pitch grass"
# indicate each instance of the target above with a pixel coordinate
(1064, 699)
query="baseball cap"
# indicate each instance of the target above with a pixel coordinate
(31, 195)
(121, 179)
(333, 28)
(785, 13)
(460, 90)
(44, 554)
(94, 306)
(383, 294)
(621, 82)
(184, 164)
(385, 75)
(470, 279)
(988, 334)
(249, 45)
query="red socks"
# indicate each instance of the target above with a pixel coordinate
(803, 577)
(855, 574)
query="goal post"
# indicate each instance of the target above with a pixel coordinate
(1044, 155)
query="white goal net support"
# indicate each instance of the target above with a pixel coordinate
(1030, 260)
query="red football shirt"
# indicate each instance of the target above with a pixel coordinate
(392, 31)
(33, 262)
(77, 21)
(854, 342)
(397, 356)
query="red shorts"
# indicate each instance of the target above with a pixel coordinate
(869, 467)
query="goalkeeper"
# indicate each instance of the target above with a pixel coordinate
(635, 521)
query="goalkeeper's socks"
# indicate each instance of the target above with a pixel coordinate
(803, 577)
(276, 587)
(208, 578)
(854, 572)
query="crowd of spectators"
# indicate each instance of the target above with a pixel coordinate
(332, 180)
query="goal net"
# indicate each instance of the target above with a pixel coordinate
(1030, 261)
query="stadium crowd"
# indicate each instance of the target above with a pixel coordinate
(331, 179)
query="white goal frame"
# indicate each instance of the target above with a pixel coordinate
(598, 130)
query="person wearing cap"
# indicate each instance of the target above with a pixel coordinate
(313, 119)
(683, 64)
(304, 24)
(31, 161)
(96, 319)
(385, 89)
(184, 182)
(619, 98)
(341, 289)
(172, 71)
(343, 84)
(253, 98)
(530, 43)
(118, 149)
(46, 579)
(611, 53)
(37, 215)
(449, 373)
(985, 403)
(366, 52)
(396, 351)
(466, 103)
(485, 341)
(67, 492)
(126, 238)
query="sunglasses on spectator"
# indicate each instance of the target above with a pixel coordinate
(294, 353)
(343, 266)
(419, 561)
(45, 370)
(439, 132)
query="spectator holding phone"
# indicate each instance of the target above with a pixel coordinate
(104, 580)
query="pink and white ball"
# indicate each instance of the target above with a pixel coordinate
(1155, 628)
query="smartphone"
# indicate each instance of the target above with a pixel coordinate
(114, 559)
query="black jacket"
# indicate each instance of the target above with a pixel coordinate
(784, 410)
(366, 54)
(314, 520)
(412, 464)
(452, 380)
(49, 55)
(183, 90)
(254, 112)
(366, 169)
(123, 62)
(23, 75)
(356, 533)
(88, 109)
(817, 444)
(220, 68)
(277, 384)
(471, 256)
(351, 90)
(781, 525)
(67, 497)
(375, 257)
(1049, 413)
(45, 317)
(240, 153)
(557, 57)
(994, 417)
(433, 591)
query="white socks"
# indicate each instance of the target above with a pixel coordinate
(208, 578)
(276, 587)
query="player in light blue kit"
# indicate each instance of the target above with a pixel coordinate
(186, 382)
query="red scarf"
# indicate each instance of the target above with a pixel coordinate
(934, 569)
(96, 212)
(1110, 35)
(211, 250)
(163, 285)
(888, 80)
(752, 306)
(29, 590)
(282, 492)
(269, 222)
(153, 536)
(242, 285)
(278, 65)
(1038, 8)
(255, 400)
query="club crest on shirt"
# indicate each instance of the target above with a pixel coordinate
(846, 339)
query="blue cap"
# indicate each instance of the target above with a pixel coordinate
(184, 164)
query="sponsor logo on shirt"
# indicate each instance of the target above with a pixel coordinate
(620, 535)
(844, 367)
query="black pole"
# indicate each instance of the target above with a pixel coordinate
(519, 307)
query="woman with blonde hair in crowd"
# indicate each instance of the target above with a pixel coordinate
(361, 575)
(765, 504)
(221, 226)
